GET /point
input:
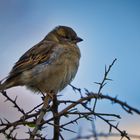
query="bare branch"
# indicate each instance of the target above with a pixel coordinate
(105, 78)
(73, 110)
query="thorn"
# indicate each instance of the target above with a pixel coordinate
(15, 99)
(117, 124)
(5, 100)
(108, 79)
(1, 121)
(86, 90)
(105, 69)
(15, 136)
(97, 83)
(6, 120)
(104, 85)
(110, 129)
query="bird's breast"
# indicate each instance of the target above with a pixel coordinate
(70, 65)
(56, 74)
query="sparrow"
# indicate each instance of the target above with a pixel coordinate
(50, 65)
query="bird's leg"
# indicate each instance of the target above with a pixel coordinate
(43, 110)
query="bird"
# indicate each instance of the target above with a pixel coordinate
(47, 68)
(50, 65)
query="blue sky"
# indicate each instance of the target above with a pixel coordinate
(110, 29)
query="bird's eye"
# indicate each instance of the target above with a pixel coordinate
(67, 37)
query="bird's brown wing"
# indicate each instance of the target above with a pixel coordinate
(37, 54)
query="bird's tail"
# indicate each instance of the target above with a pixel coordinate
(9, 82)
(2, 84)
(1, 87)
(5, 84)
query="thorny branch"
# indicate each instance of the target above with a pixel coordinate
(103, 83)
(104, 135)
(87, 102)
(13, 102)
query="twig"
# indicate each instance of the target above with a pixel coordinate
(40, 118)
(13, 102)
(105, 135)
(103, 83)
(56, 133)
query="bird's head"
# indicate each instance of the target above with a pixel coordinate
(64, 34)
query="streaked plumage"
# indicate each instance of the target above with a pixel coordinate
(50, 65)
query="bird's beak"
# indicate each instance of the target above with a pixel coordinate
(78, 39)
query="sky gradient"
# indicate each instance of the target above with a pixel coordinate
(110, 29)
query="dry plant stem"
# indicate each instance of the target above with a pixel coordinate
(40, 118)
(67, 111)
(128, 108)
(123, 133)
(56, 119)
(94, 130)
(103, 83)
(91, 95)
(105, 135)
(13, 102)
(28, 117)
